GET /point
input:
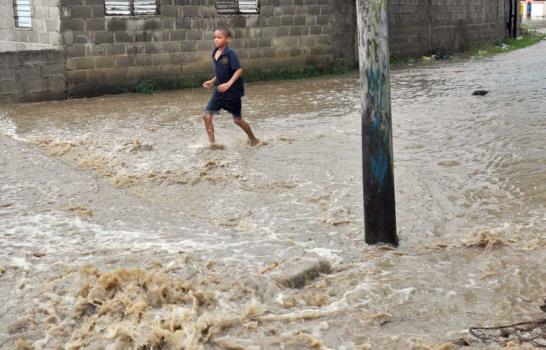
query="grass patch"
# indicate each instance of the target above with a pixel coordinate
(397, 61)
(147, 87)
(288, 73)
(152, 86)
(527, 38)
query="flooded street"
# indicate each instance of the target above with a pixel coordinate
(90, 186)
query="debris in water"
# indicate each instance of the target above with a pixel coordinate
(381, 318)
(480, 93)
(287, 139)
(124, 181)
(449, 163)
(531, 334)
(54, 148)
(38, 254)
(484, 239)
(169, 177)
(2, 269)
(269, 268)
(251, 311)
(138, 146)
(130, 309)
(442, 245)
(22, 344)
(229, 343)
(318, 299)
(337, 216)
(81, 210)
(310, 340)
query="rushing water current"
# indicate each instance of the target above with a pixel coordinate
(89, 186)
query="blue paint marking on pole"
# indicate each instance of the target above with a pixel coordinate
(377, 159)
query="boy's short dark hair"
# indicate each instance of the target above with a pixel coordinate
(225, 31)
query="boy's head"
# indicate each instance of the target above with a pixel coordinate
(222, 37)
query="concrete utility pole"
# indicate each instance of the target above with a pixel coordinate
(373, 47)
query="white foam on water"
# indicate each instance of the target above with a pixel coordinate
(58, 235)
(328, 254)
(8, 127)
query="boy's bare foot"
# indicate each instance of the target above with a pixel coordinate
(253, 142)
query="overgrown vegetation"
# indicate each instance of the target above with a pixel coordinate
(288, 73)
(147, 87)
(527, 38)
(151, 86)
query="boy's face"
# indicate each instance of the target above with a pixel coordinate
(221, 39)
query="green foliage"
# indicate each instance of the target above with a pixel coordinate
(401, 61)
(527, 38)
(250, 75)
(289, 73)
(147, 87)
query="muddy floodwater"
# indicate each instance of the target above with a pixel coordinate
(121, 229)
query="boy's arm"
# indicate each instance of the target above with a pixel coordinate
(209, 83)
(225, 87)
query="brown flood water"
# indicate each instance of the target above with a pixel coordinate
(92, 185)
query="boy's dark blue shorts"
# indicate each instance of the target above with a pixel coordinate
(233, 106)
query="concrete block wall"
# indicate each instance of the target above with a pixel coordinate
(45, 31)
(32, 75)
(103, 51)
(344, 36)
(108, 53)
(420, 27)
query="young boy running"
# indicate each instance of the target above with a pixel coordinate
(229, 86)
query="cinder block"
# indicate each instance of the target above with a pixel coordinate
(27, 72)
(76, 25)
(83, 63)
(7, 73)
(76, 50)
(81, 12)
(95, 24)
(123, 37)
(55, 85)
(105, 62)
(76, 77)
(13, 87)
(34, 85)
(54, 70)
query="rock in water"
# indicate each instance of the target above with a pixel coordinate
(299, 271)
(480, 93)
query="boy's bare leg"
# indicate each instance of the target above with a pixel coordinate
(210, 128)
(246, 128)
